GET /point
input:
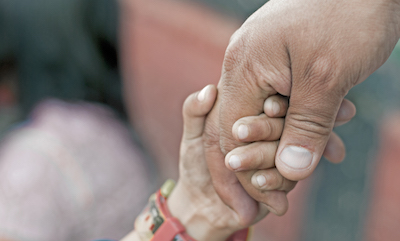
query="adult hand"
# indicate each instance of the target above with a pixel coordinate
(314, 51)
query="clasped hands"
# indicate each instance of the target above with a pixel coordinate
(311, 51)
(195, 201)
(308, 53)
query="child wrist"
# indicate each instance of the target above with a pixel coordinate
(178, 216)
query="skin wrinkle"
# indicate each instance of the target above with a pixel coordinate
(322, 70)
(269, 77)
(234, 55)
(268, 128)
(185, 169)
(217, 221)
(249, 64)
(309, 126)
(211, 137)
(314, 92)
(260, 151)
(273, 81)
(248, 74)
(242, 71)
(324, 113)
(271, 180)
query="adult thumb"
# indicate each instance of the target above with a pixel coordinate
(313, 107)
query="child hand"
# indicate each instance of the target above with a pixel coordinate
(194, 200)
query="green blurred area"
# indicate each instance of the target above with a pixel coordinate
(339, 202)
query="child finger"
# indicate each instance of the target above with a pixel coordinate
(271, 179)
(276, 106)
(254, 156)
(346, 112)
(195, 109)
(258, 128)
(275, 200)
(335, 150)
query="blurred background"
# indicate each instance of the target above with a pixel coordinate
(90, 122)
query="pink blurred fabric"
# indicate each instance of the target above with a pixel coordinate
(72, 173)
(383, 220)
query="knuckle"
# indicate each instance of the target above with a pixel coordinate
(267, 128)
(311, 125)
(258, 59)
(323, 74)
(272, 182)
(243, 54)
(277, 78)
(321, 69)
(234, 54)
(258, 162)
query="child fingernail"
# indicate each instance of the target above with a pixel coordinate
(272, 106)
(243, 132)
(202, 94)
(261, 180)
(235, 162)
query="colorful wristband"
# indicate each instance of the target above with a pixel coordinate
(156, 223)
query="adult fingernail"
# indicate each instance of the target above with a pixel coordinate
(273, 106)
(296, 157)
(243, 132)
(235, 162)
(202, 95)
(261, 180)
